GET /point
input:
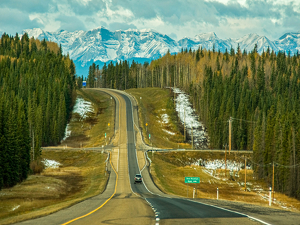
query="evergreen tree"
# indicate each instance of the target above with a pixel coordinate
(32, 79)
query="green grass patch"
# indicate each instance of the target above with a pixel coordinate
(90, 132)
(156, 108)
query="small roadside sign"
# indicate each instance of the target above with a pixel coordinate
(84, 83)
(192, 180)
(146, 124)
(149, 136)
(105, 135)
(108, 124)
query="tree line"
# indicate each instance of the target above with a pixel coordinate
(259, 93)
(37, 87)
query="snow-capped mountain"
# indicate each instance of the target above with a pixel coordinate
(101, 45)
(248, 42)
(207, 41)
(289, 42)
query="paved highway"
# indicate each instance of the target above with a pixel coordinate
(124, 202)
(169, 207)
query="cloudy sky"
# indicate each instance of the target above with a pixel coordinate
(176, 18)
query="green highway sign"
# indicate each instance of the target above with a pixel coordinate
(192, 180)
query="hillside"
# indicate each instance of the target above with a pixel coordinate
(168, 168)
(37, 91)
(256, 95)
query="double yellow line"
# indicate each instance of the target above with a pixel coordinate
(103, 203)
(118, 97)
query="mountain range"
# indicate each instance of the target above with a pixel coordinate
(101, 45)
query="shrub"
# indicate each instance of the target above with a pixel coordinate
(37, 166)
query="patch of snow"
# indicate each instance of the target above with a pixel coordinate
(188, 117)
(169, 132)
(165, 118)
(82, 107)
(67, 133)
(16, 207)
(220, 164)
(51, 163)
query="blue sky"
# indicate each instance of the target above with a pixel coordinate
(176, 18)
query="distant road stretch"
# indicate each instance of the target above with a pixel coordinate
(167, 207)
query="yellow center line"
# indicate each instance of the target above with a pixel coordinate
(115, 185)
(99, 206)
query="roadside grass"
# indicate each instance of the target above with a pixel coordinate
(81, 175)
(90, 132)
(168, 171)
(156, 108)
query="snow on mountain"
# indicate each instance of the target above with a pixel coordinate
(289, 42)
(102, 45)
(206, 37)
(248, 42)
(205, 40)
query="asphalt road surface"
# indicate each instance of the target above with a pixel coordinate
(124, 202)
(168, 207)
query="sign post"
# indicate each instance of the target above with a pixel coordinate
(191, 180)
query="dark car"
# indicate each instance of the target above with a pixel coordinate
(138, 178)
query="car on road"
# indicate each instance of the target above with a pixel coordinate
(138, 178)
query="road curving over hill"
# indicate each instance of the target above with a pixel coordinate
(169, 209)
(124, 202)
(117, 204)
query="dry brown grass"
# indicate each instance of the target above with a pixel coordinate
(36, 166)
(155, 103)
(169, 169)
(90, 132)
(80, 176)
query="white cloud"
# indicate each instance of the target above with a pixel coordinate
(227, 18)
(84, 2)
(154, 23)
(119, 13)
(241, 2)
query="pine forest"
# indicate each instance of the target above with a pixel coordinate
(259, 94)
(37, 91)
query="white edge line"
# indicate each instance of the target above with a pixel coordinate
(128, 155)
(250, 217)
(118, 159)
(154, 210)
(107, 157)
(137, 165)
(131, 96)
(243, 214)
